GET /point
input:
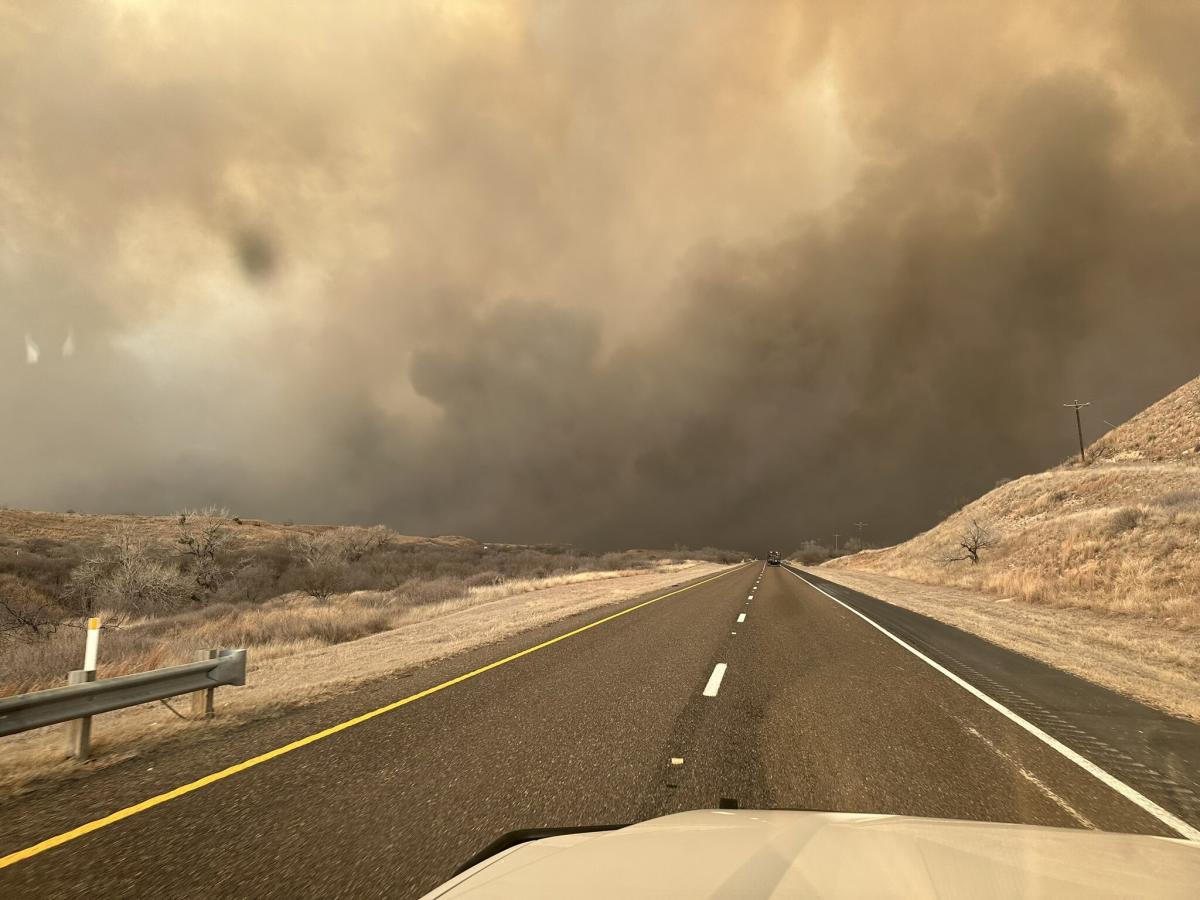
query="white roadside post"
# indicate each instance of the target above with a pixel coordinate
(92, 648)
(79, 731)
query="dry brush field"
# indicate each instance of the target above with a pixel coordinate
(166, 586)
(319, 608)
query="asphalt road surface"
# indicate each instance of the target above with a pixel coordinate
(756, 688)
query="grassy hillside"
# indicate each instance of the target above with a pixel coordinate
(1120, 536)
(1167, 431)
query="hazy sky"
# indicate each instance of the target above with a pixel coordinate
(614, 273)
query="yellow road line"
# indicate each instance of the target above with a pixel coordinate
(121, 814)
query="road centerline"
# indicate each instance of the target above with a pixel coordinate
(714, 680)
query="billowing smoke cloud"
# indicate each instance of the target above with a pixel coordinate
(616, 273)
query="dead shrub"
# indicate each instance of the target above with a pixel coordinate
(482, 579)
(26, 614)
(126, 577)
(1124, 519)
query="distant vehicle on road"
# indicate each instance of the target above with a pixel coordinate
(773, 558)
(773, 853)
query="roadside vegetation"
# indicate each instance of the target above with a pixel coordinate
(813, 553)
(1113, 546)
(1112, 538)
(164, 587)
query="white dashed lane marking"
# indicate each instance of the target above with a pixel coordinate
(714, 680)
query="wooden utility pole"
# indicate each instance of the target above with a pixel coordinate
(835, 540)
(861, 526)
(1077, 406)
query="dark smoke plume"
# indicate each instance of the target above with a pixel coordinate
(618, 273)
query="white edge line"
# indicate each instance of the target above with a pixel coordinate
(1133, 796)
(714, 680)
(1033, 779)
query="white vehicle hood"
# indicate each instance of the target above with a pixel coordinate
(753, 854)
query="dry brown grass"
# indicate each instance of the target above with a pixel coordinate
(297, 662)
(1121, 539)
(25, 525)
(270, 629)
(1168, 430)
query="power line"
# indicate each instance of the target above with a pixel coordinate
(1077, 406)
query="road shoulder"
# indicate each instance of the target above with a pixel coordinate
(1151, 752)
(1156, 666)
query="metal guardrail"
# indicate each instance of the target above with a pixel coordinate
(78, 702)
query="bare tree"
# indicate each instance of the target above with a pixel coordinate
(26, 614)
(352, 544)
(328, 554)
(204, 538)
(324, 562)
(976, 537)
(126, 576)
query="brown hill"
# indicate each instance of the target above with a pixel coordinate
(1119, 536)
(1095, 569)
(1168, 430)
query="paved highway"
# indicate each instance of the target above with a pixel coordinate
(760, 687)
